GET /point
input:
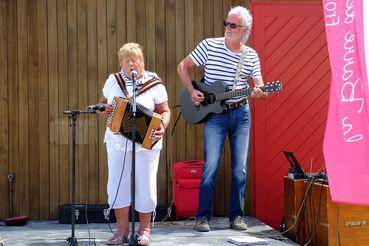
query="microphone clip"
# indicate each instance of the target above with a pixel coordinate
(97, 107)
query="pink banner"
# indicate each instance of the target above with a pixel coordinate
(346, 140)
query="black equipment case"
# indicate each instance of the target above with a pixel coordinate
(95, 213)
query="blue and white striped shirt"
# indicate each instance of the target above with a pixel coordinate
(221, 64)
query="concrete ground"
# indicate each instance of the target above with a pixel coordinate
(163, 233)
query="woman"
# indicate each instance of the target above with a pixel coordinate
(119, 148)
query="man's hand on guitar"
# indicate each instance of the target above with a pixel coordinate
(257, 93)
(197, 97)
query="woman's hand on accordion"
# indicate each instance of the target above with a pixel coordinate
(159, 133)
(164, 111)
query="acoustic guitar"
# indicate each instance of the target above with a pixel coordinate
(215, 95)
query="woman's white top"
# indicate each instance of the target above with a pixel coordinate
(149, 98)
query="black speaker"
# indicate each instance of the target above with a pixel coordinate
(93, 213)
(165, 213)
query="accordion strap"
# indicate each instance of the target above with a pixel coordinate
(148, 85)
(121, 84)
(144, 87)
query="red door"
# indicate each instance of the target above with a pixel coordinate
(291, 42)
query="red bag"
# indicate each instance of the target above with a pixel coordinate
(186, 184)
(16, 221)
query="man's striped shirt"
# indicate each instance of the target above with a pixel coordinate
(220, 64)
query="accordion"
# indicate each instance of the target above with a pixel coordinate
(120, 121)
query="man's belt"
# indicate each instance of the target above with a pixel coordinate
(234, 105)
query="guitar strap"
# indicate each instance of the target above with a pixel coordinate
(239, 67)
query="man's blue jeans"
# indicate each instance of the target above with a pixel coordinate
(236, 123)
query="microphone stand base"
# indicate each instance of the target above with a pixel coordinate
(72, 241)
(133, 240)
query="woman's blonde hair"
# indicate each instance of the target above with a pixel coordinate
(130, 49)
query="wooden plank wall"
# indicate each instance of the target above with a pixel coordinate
(55, 55)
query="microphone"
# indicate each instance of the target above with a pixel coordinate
(133, 73)
(99, 107)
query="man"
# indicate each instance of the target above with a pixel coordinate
(221, 59)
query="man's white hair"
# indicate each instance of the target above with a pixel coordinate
(246, 21)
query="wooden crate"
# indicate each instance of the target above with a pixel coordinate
(294, 191)
(335, 223)
(324, 222)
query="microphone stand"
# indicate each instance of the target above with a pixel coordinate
(133, 238)
(72, 114)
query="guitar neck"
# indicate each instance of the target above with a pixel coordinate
(231, 94)
(270, 87)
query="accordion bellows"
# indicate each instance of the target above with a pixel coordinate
(120, 121)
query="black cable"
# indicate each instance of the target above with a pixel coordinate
(176, 121)
(308, 212)
(312, 211)
(301, 209)
(89, 240)
(315, 224)
(88, 227)
(319, 206)
(178, 105)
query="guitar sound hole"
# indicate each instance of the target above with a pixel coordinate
(209, 99)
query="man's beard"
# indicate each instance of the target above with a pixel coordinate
(229, 36)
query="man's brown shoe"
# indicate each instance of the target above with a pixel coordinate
(202, 224)
(238, 224)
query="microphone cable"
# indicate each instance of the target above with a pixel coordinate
(176, 121)
(88, 228)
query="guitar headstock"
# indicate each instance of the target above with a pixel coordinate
(275, 86)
